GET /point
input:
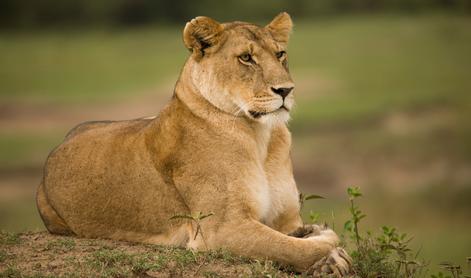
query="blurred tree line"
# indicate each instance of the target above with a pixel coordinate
(44, 13)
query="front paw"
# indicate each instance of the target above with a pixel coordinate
(337, 264)
(325, 235)
(309, 230)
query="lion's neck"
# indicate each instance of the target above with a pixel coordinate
(199, 103)
(238, 126)
(186, 91)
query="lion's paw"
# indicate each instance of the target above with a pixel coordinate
(337, 264)
(309, 230)
(326, 236)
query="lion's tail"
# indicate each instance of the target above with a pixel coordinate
(53, 222)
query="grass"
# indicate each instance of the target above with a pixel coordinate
(45, 255)
(112, 263)
(3, 256)
(62, 244)
(11, 272)
(439, 230)
(9, 238)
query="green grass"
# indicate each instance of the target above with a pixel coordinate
(63, 244)
(9, 238)
(112, 263)
(81, 65)
(435, 218)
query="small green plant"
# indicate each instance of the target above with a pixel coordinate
(454, 269)
(391, 240)
(313, 216)
(303, 198)
(387, 255)
(357, 215)
(196, 218)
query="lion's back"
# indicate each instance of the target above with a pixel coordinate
(108, 126)
(104, 167)
(89, 145)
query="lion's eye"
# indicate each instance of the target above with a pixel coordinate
(280, 54)
(247, 58)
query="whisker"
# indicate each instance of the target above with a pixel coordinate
(240, 110)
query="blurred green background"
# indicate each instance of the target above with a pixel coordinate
(383, 99)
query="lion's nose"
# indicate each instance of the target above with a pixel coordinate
(283, 92)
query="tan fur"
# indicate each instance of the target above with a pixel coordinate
(205, 152)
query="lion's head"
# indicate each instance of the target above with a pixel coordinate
(242, 68)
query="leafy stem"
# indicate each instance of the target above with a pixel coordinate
(352, 224)
(195, 218)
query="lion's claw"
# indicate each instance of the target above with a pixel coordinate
(345, 256)
(337, 264)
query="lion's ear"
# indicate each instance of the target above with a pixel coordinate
(201, 33)
(280, 27)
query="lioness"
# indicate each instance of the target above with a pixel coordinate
(221, 145)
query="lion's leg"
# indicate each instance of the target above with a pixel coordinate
(253, 239)
(288, 222)
(174, 237)
(53, 222)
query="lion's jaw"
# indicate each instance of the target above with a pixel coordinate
(229, 100)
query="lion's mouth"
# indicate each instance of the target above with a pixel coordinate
(258, 114)
(283, 107)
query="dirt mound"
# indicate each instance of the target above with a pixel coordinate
(40, 254)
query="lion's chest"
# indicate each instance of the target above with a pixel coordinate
(273, 195)
(274, 191)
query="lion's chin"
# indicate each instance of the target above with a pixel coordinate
(278, 116)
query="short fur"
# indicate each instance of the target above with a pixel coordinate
(221, 145)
